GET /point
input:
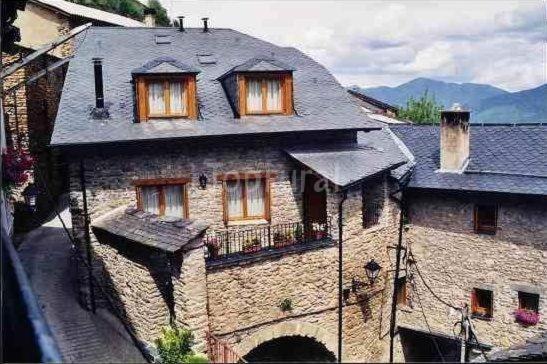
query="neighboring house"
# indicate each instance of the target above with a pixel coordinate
(213, 137)
(477, 232)
(376, 109)
(30, 109)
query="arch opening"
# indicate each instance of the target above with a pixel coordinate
(290, 349)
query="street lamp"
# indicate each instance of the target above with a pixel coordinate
(372, 269)
(30, 194)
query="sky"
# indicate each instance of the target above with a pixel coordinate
(370, 43)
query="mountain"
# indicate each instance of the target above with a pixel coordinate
(488, 104)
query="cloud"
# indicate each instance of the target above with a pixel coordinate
(379, 43)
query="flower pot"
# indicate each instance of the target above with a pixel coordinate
(526, 317)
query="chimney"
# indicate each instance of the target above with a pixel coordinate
(181, 23)
(454, 138)
(99, 94)
(205, 26)
(150, 17)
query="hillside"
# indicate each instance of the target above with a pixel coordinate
(488, 104)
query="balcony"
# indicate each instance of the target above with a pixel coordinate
(250, 243)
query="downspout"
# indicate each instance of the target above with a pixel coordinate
(87, 238)
(340, 276)
(396, 278)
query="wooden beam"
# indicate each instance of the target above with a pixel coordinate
(31, 57)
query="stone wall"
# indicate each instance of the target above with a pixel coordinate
(454, 260)
(243, 300)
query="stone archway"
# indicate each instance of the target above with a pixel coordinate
(288, 329)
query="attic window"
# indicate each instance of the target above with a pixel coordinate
(486, 219)
(163, 39)
(207, 58)
(265, 94)
(166, 97)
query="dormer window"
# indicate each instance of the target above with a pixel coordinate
(167, 98)
(165, 88)
(260, 86)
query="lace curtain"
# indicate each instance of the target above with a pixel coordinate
(235, 199)
(254, 95)
(273, 100)
(155, 98)
(150, 199)
(174, 205)
(177, 99)
(255, 197)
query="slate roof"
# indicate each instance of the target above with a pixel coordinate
(164, 65)
(165, 233)
(345, 164)
(534, 349)
(320, 102)
(506, 159)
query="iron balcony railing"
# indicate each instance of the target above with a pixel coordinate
(229, 242)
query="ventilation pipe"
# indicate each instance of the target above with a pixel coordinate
(181, 23)
(99, 93)
(205, 25)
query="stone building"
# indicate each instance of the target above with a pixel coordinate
(264, 147)
(30, 108)
(477, 235)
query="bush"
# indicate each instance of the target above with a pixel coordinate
(175, 346)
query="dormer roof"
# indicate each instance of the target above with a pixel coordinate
(262, 64)
(164, 65)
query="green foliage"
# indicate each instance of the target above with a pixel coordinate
(424, 110)
(175, 346)
(286, 305)
(129, 8)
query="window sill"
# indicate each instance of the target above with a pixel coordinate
(481, 317)
(404, 308)
(247, 222)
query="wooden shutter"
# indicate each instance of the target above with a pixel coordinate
(142, 95)
(267, 199)
(192, 97)
(287, 95)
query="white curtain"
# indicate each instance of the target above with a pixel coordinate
(235, 199)
(174, 202)
(155, 98)
(150, 199)
(274, 95)
(177, 100)
(254, 95)
(255, 197)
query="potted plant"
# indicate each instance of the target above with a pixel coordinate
(213, 247)
(318, 230)
(279, 239)
(298, 233)
(251, 245)
(526, 317)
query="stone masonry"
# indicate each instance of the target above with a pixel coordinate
(240, 303)
(454, 260)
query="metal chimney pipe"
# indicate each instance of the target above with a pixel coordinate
(181, 23)
(205, 26)
(99, 93)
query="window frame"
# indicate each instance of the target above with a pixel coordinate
(243, 178)
(372, 194)
(159, 183)
(142, 87)
(480, 228)
(527, 295)
(285, 79)
(402, 291)
(489, 311)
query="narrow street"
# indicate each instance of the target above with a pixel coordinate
(82, 337)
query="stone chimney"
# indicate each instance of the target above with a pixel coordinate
(150, 17)
(454, 139)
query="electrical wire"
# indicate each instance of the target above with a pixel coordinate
(429, 328)
(429, 288)
(474, 334)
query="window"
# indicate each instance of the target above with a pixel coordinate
(482, 302)
(163, 197)
(373, 203)
(266, 94)
(245, 199)
(486, 219)
(402, 295)
(529, 301)
(162, 97)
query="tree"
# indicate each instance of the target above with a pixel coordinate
(129, 8)
(175, 347)
(10, 33)
(424, 110)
